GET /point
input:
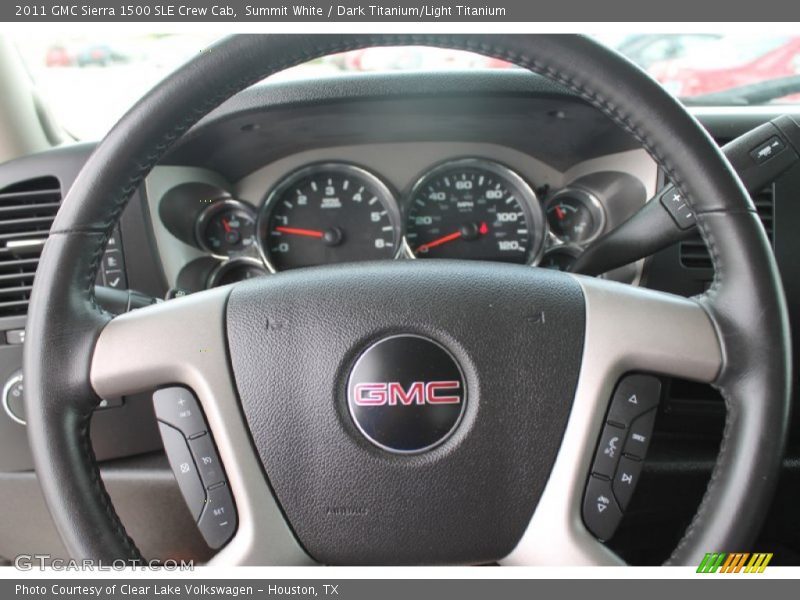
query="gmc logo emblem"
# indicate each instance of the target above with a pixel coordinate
(393, 393)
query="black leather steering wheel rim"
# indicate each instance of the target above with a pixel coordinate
(745, 302)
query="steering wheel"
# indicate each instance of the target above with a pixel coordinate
(501, 471)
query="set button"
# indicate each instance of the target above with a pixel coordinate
(218, 521)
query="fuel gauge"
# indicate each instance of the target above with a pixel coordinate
(226, 228)
(575, 216)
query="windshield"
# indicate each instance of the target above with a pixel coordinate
(89, 81)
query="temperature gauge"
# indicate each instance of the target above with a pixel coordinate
(226, 228)
(575, 216)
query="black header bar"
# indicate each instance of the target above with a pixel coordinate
(380, 11)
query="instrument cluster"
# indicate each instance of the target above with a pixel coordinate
(335, 212)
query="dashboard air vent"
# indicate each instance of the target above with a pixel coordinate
(693, 252)
(27, 210)
(765, 205)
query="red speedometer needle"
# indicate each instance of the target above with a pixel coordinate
(560, 213)
(226, 226)
(296, 231)
(439, 242)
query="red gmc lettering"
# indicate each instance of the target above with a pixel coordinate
(414, 395)
(393, 393)
(434, 386)
(370, 394)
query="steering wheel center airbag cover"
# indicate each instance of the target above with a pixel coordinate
(406, 394)
(514, 333)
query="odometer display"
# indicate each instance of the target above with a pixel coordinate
(474, 209)
(329, 213)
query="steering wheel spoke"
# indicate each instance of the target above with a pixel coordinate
(627, 330)
(183, 342)
(636, 329)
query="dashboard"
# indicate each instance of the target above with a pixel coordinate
(390, 201)
(501, 167)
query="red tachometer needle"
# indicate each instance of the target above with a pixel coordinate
(560, 213)
(226, 226)
(296, 231)
(439, 242)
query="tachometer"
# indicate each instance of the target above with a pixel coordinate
(329, 213)
(475, 209)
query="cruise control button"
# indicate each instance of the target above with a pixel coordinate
(626, 479)
(218, 521)
(601, 514)
(608, 451)
(638, 440)
(206, 459)
(635, 395)
(177, 406)
(180, 459)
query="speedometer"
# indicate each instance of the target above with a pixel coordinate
(329, 213)
(475, 209)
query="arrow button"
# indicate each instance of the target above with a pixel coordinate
(634, 396)
(601, 513)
